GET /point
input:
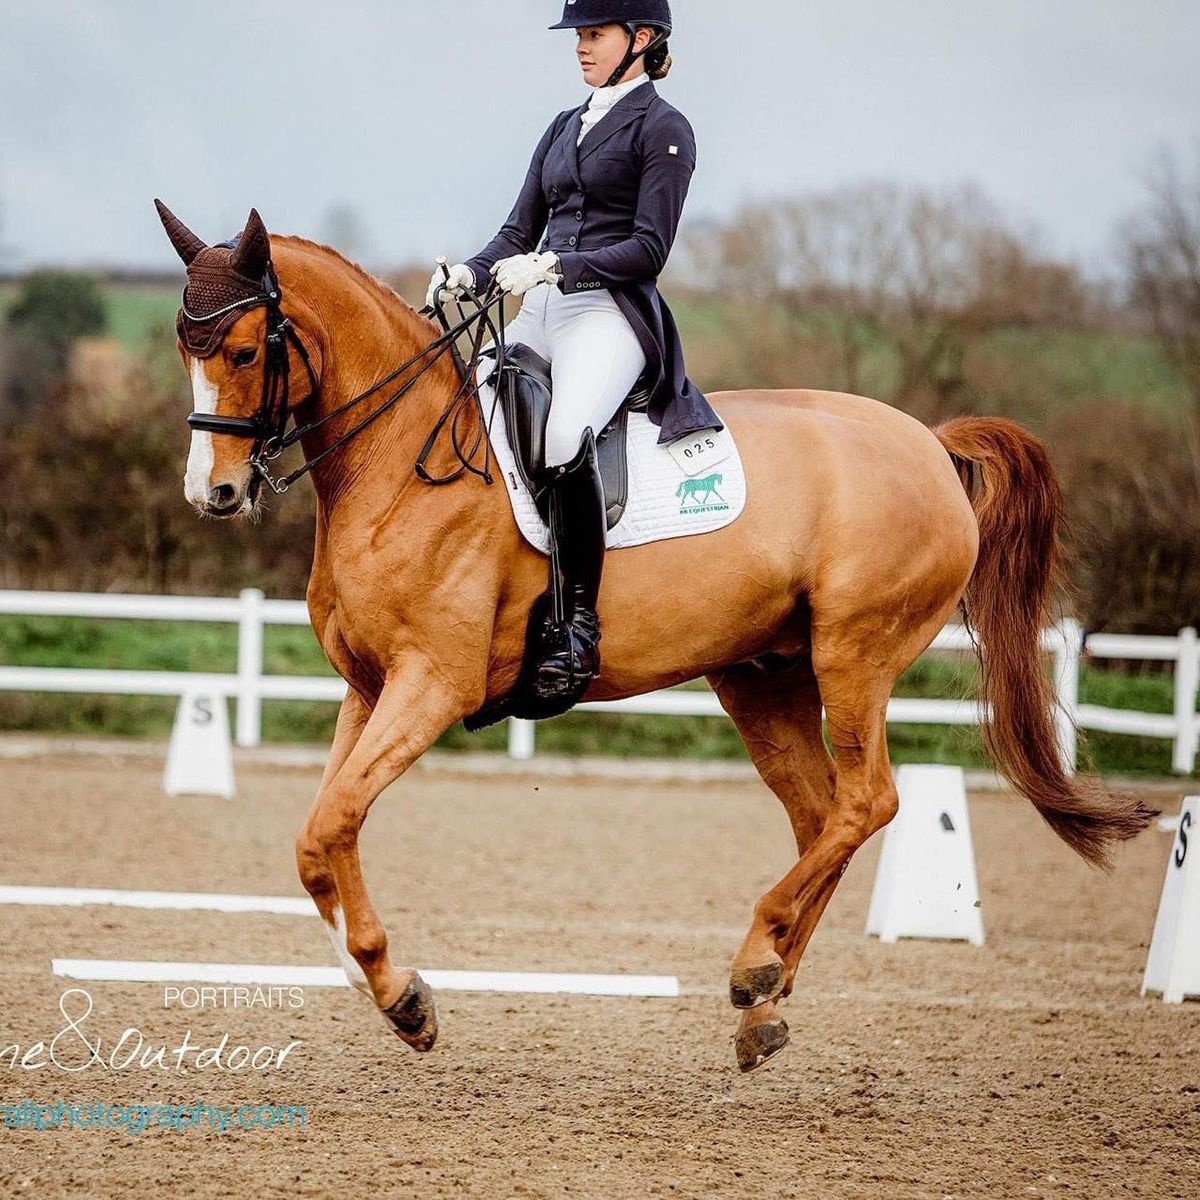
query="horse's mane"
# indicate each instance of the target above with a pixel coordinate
(387, 294)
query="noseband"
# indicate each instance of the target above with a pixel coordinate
(267, 429)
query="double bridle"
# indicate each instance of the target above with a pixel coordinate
(267, 429)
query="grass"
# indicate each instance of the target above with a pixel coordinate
(291, 650)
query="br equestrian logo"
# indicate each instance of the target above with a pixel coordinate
(698, 491)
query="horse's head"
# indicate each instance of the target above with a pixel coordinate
(234, 342)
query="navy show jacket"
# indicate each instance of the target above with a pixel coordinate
(610, 208)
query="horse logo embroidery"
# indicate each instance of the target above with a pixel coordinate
(699, 491)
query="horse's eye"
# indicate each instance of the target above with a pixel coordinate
(243, 358)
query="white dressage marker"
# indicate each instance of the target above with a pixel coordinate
(296, 906)
(200, 756)
(925, 886)
(281, 975)
(1173, 965)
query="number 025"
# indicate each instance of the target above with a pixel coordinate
(699, 448)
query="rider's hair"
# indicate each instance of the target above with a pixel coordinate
(658, 60)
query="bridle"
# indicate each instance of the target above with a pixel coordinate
(268, 431)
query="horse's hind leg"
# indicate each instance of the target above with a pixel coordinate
(778, 714)
(855, 669)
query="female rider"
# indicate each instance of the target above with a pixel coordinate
(606, 187)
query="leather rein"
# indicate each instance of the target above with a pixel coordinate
(267, 429)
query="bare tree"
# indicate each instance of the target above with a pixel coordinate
(880, 272)
(1162, 252)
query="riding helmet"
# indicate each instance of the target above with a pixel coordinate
(579, 13)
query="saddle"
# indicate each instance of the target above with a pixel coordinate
(525, 392)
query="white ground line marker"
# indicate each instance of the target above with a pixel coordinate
(282, 975)
(299, 906)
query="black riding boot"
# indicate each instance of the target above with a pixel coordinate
(578, 513)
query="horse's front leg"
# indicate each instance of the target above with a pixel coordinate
(413, 710)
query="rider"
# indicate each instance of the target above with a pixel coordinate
(607, 185)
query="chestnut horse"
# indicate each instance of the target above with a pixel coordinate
(862, 532)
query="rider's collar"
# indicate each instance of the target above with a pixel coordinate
(606, 97)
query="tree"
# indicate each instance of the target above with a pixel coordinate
(52, 310)
(901, 284)
(1161, 247)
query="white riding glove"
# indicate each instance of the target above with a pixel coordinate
(461, 276)
(524, 271)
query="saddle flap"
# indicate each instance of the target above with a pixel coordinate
(612, 457)
(525, 397)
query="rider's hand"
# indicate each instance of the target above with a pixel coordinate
(461, 276)
(524, 271)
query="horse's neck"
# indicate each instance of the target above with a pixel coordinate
(361, 334)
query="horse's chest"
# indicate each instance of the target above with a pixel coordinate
(357, 647)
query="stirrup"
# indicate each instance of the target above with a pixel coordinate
(573, 657)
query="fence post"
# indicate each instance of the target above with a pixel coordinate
(250, 665)
(1067, 656)
(520, 738)
(1187, 680)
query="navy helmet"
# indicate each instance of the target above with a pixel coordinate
(578, 13)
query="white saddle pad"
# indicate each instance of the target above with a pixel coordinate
(694, 485)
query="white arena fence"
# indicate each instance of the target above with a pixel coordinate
(251, 612)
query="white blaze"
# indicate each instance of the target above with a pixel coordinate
(197, 481)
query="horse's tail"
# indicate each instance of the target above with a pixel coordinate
(1019, 508)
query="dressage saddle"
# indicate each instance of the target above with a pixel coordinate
(524, 389)
(525, 392)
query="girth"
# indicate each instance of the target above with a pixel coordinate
(526, 392)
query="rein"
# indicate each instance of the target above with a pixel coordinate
(268, 427)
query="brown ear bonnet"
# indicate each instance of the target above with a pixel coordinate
(223, 281)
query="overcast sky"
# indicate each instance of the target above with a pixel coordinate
(420, 115)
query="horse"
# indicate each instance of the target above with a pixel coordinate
(862, 533)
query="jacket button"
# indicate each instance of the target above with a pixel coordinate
(572, 240)
(579, 214)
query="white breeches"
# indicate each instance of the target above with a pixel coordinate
(594, 355)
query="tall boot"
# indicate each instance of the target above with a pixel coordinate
(579, 522)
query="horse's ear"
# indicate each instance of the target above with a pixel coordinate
(253, 249)
(187, 244)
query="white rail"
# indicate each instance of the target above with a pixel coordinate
(251, 612)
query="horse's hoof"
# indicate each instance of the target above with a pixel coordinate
(751, 986)
(413, 1016)
(755, 1044)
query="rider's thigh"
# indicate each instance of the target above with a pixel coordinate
(529, 325)
(595, 363)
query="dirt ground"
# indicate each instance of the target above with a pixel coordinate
(1028, 1067)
